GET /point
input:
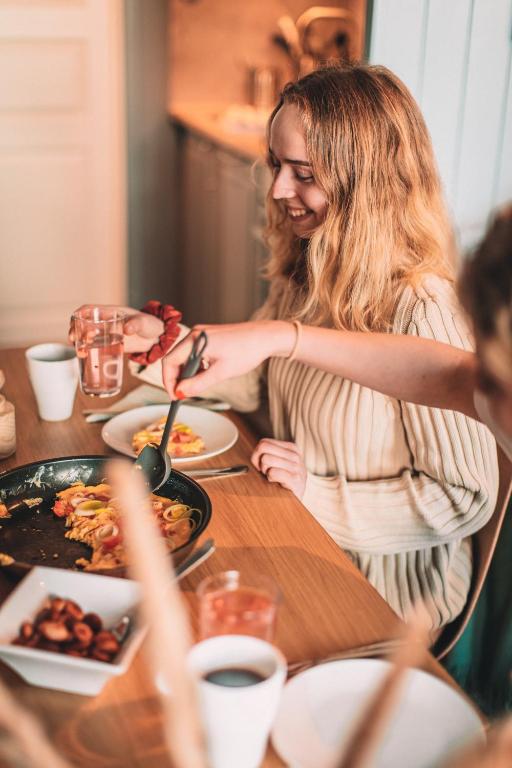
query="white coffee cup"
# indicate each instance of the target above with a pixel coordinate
(238, 720)
(53, 372)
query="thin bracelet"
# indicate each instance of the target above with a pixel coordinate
(298, 334)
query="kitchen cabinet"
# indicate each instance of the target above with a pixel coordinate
(220, 215)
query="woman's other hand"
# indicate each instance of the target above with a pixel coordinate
(281, 462)
(141, 330)
(232, 350)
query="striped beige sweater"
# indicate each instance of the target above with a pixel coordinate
(400, 487)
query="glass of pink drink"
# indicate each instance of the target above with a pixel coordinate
(232, 604)
(99, 349)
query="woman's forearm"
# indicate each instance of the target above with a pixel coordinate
(408, 368)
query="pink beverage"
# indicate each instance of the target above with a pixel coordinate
(98, 331)
(101, 365)
(231, 603)
(241, 611)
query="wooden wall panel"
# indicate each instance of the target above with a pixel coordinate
(503, 185)
(456, 59)
(398, 38)
(442, 94)
(482, 122)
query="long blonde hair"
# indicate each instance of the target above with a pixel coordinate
(386, 223)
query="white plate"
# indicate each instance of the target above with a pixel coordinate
(318, 708)
(217, 432)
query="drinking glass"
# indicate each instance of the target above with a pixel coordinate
(99, 349)
(231, 603)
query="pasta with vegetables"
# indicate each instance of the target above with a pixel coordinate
(93, 517)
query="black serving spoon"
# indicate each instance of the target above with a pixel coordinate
(154, 460)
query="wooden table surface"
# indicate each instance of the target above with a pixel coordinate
(258, 527)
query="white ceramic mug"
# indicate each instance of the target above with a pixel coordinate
(53, 372)
(238, 720)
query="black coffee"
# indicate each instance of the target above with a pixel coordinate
(234, 677)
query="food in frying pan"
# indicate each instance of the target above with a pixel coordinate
(6, 512)
(62, 626)
(93, 518)
(182, 442)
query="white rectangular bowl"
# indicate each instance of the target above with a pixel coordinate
(109, 597)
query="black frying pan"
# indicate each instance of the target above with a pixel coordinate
(35, 536)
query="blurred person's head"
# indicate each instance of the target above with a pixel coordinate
(486, 292)
(355, 210)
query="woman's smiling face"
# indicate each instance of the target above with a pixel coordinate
(294, 184)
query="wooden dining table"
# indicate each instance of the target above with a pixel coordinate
(258, 527)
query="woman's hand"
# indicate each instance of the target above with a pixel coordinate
(141, 330)
(231, 351)
(282, 463)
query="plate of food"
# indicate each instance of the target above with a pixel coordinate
(197, 433)
(61, 512)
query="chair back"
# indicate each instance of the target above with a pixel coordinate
(484, 544)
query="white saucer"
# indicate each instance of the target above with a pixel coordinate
(318, 708)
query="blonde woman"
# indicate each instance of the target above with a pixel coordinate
(360, 241)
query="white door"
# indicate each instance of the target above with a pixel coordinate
(62, 185)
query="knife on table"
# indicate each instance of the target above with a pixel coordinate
(201, 554)
(211, 404)
(205, 474)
